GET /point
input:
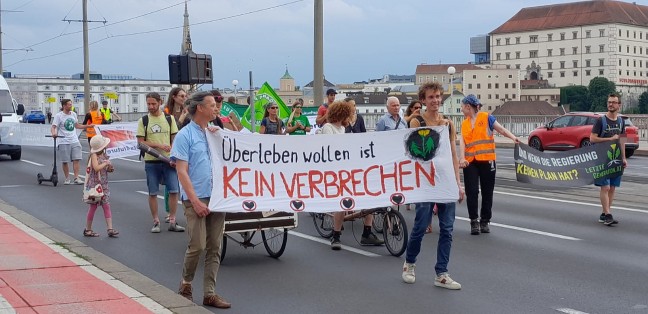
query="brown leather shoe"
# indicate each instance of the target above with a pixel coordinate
(185, 291)
(216, 301)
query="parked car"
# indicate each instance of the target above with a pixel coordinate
(34, 116)
(573, 130)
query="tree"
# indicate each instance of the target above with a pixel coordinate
(599, 88)
(643, 102)
(576, 97)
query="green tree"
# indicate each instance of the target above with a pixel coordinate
(643, 102)
(576, 97)
(599, 88)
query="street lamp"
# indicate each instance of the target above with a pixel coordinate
(451, 71)
(235, 82)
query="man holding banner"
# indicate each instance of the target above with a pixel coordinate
(609, 127)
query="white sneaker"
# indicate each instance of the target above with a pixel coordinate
(444, 281)
(408, 272)
(156, 228)
(78, 180)
(67, 182)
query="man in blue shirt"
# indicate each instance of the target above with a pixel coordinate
(205, 229)
(392, 119)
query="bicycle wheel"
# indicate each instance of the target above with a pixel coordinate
(274, 241)
(377, 223)
(223, 248)
(395, 233)
(323, 224)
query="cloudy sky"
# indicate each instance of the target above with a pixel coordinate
(363, 39)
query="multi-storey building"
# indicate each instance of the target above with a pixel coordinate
(493, 86)
(439, 73)
(572, 43)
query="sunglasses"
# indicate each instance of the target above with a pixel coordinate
(218, 98)
(273, 108)
(417, 107)
(298, 106)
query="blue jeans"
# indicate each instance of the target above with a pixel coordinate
(158, 172)
(446, 214)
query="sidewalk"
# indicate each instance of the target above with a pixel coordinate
(42, 275)
(503, 142)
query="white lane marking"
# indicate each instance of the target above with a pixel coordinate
(305, 236)
(131, 180)
(572, 202)
(159, 196)
(5, 306)
(570, 311)
(127, 159)
(33, 163)
(12, 186)
(328, 242)
(548, 234)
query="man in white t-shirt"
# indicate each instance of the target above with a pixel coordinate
(68, 146)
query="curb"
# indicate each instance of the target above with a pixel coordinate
(146, 286)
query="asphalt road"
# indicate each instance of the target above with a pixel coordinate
(546, 253)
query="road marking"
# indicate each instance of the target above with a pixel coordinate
(12, 186)
(159, 196)
(570, 311)
(548, 234)
(33, 163)
(131, 160)
(328, 242)
(131, 180)
(572, 202)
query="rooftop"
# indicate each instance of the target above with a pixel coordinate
(512, 108)
(443, 68)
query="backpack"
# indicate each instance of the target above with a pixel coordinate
(620, 122)
(145, 121)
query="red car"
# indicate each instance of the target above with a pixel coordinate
(573, 130)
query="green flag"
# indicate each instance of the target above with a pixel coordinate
(263, 96)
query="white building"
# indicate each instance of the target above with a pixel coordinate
(493, 86)
(572, 43)
(36, 92)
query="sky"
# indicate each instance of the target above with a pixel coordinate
(363, 39)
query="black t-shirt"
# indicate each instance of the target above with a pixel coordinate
(613, 127)
(358, 127)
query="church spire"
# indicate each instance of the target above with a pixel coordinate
(186, 36)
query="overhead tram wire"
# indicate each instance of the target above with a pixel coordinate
(154, 31)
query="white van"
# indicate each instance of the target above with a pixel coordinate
(9, 112)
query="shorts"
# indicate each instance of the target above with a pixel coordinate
(69, 152)
(158, 173)
(615, 182)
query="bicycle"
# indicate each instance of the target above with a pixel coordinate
(388, 221)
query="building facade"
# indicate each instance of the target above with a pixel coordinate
(572, 43)
(493, 86)
(439, 73)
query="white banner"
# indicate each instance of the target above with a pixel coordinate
(123, 139)
(27, 134)
(330, 172)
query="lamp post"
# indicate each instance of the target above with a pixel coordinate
(451, 71)
(235, 82)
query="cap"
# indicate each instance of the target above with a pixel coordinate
(331, 91)
(471, 100)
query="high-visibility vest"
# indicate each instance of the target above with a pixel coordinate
(96, 118)
(106, 113)
(479, 141)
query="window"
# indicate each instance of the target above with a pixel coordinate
(496, 85)
(634, 49)
(533, 38)
(549, 52)
(47, 87)
(601, 32)
(508, 66)
(628, 33)
(588, 49)
(574, 35)
(75, 87)
(514, 85)
(619, 48)
(490, 96)
(478, 96)
(490, 86)
(549, 65)
(496, 96)
(634, 63)
(550, 74)
(514, 96)
(61, 87)
(61, 97)
(562, 36)
(627, 62)
(510, 76)
(601, 62)
(562, 51)
(505, 85)
(574, 50)
(148, 88)
(508, 41)
(619, 61)
(469, 85)
(561, 122)
(508, 56)
(517, 55)
(575, 64)
(517, 66)
(506, 96)
(497, 41)
(575, 73)
(549, 37)
(562, 64)
(134, 88)
(474, 76)
(497, 56)
(588, 63)
(517, 40)
(588, 34)
(533, 54)
(478, 86)
(600, 71)
(134, 99)
(102, 88)
(162, 89)
(562, 73)
(601, 48)
(634, 34)
(627, 49)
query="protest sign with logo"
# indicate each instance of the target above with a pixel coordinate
(123, 140)
(264, 96)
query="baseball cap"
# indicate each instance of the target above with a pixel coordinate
(331, 91)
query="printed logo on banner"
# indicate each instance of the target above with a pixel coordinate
(347, 203)
(297, 205)
(613, 155)
(422, 144)
(249, 205)
(397, 198)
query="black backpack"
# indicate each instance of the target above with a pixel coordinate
(145, 121)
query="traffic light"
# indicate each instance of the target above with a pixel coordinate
(190, 69)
